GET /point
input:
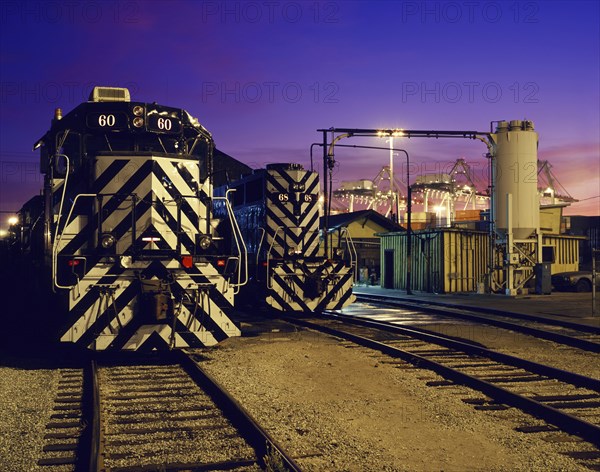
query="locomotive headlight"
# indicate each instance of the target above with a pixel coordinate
(138, 122)
(107, 241)
(205, 242)
(126, 261)
(138, 110)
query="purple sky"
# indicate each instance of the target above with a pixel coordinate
(263, 76)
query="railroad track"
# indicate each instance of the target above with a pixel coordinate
(576, 335)
(564, 400)
(66, 432)
(162, 414)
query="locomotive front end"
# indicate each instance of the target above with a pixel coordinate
(134, 252)
(298, 277)
(277, 209)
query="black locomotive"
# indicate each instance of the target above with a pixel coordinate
(277, 210)
(124, 233)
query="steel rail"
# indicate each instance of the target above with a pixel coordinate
(565, 376)
(262, 443)
(94, 431)
(462, 312)
(480, 309)
(564, 421)
(257, 437)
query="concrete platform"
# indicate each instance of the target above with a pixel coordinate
(574, 307)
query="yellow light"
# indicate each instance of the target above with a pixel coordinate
(13, 220)
(3, 233)
(394, 133)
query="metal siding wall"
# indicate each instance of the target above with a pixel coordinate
(443, 261)
(458, 260)
(447, 262)
(440, 263)
(566, 252)
(400, 255)
(384, 245)
(395, 243)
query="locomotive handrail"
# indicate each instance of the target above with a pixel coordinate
(60, 208)
(58, 238)
(62, 198)
(352, 251)
(270, 286)
(262, 238)
(239, 242)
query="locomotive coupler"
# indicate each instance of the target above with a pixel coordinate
(156, 300)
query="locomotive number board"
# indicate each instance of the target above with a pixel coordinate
(163, 124)
(303, 197)
(107, 120)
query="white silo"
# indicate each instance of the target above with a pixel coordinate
(515, 173)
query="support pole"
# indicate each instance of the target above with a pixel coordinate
(408, 228)
(325, 196)
(409, 246)
(509, 248)
(595, 252)
(491, 221)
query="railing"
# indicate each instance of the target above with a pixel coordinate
(239, 243)
(352, 251)
(269, 286)
(58, 238)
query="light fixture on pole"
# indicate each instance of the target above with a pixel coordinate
(391, 135)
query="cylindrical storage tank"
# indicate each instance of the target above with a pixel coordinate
(515, 173)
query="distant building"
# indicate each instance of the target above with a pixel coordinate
(227, 169)
(588, 226)
(450, 260)
(363, 228)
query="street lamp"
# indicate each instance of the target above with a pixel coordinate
(408, 226)
(362, 132)
(391, 136)
(328, 163)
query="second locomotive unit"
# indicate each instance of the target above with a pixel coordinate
(124, 232)
(277, 209)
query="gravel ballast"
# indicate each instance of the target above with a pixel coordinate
(337, 407)
(26, 401)
(332, 406)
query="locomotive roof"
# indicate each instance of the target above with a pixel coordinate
(76, 119)
(344, 219)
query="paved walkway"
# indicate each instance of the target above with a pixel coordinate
(570, 306)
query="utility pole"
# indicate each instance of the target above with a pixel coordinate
(594, 253)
